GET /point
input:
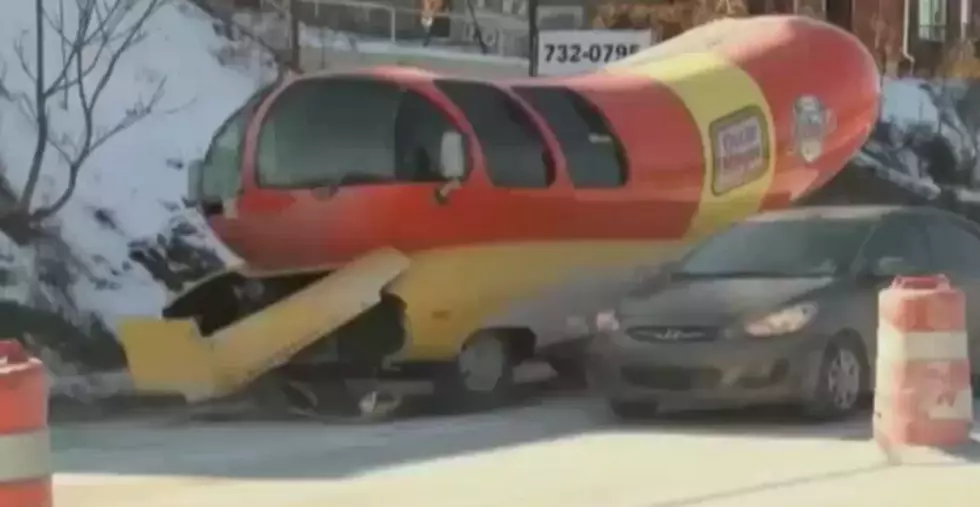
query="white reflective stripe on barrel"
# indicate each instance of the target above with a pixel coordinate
(921, 345)
(25, 456)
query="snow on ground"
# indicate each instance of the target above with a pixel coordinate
(132, 186)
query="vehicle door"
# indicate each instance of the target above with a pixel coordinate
(899, 242)
(956, 249)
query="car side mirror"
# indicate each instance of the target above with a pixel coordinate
(452, 155)
(452, 164)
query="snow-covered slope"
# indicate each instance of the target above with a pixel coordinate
(129, 192)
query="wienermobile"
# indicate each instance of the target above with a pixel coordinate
(385, 219)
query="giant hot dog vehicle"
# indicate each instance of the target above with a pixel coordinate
(384, 217)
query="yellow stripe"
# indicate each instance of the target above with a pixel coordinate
(452, 292)
(712, 89)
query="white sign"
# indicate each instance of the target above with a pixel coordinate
(564, 52)
(740, 145)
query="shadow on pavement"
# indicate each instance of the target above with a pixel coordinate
(969, 451)
(301, 449)
(965, 454)
(764, 421)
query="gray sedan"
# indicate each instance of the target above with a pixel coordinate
(780, 308)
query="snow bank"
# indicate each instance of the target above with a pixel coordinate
(132, 186)
(129, 192)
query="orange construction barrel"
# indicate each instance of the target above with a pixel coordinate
(25, 445)
(922, 389)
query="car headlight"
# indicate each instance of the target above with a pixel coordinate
(606, 321)
(784, 321)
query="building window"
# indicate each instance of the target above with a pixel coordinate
(932, 20)
(593, 155)
(513, 149)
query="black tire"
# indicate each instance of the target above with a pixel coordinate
(460, 388)
(837, 379)
(633, 410)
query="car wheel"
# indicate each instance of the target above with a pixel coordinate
(632, 410)
(481, 377)
(838, 377)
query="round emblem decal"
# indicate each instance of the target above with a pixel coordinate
(812, 123)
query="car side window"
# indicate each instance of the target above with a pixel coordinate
(901, 239)
(515, 152)
(956, 249)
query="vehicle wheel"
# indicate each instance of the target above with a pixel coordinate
(482, 376)
(632, 410)
(838, 377)
(571, 372)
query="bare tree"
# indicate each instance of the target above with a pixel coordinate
(92, 36)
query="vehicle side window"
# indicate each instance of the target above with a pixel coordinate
(899, 238)
(322, 131)
(419, 128)
(595, 157)
(956, 249)
(515, 153)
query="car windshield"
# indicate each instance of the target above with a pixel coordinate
(812, 247)
(220, 173)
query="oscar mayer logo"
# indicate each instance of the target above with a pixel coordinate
(740, 149)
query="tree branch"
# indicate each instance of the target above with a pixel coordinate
(40, 108)
(103, 32)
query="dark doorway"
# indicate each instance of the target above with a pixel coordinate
(839, 12)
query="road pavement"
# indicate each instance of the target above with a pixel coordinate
(562, 452)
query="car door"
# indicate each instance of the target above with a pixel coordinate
(955, 247)
(899, 237)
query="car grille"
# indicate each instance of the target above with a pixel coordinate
(672, 334)
(671, 378)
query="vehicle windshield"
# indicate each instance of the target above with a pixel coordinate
(220, 171)
(814, 247)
